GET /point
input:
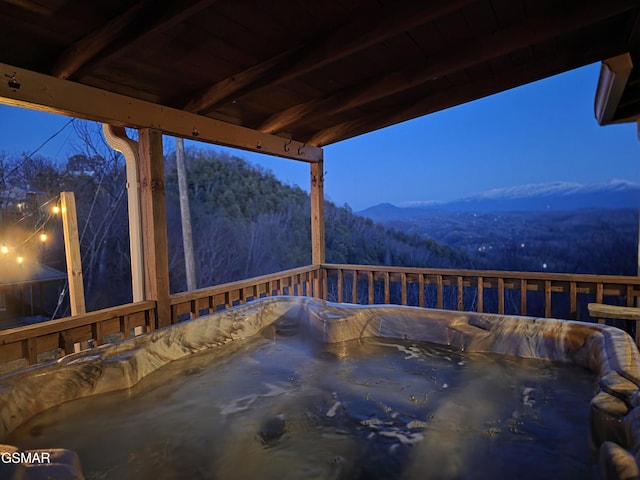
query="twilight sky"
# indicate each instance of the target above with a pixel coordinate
(538, 133)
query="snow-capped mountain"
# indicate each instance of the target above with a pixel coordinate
(552, 189)
(554, 196)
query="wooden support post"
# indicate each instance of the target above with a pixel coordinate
(317, 213)
(154, 223)
(72, 253)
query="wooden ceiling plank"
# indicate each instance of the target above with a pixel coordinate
(50, 94)
(537, 69)
(508, 11)
(41, 8)
(451, 60)
(116, 30)
(353, 37)
(480, 18)
(221, 91)
(86, 48)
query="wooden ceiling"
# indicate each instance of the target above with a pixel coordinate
(316, 72)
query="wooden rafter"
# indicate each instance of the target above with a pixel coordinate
(116, 35)
(86, 48)
(450, 60)
(531, 71)
(366, 30)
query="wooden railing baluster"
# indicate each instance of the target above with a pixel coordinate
(403, 288)
(371, 288)
(387, 288)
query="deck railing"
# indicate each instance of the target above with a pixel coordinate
(40, 342)
(29, 345)
(298, 281)
(516, 293)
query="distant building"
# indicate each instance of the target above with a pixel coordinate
(20, 201)
(29, 292)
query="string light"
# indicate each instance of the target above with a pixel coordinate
(39, 230)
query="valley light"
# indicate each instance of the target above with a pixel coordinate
(43, 237)
(56, 209)
(4, 249)
(20, 259)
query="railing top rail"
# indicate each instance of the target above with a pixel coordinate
(564, 277)
(194, 294)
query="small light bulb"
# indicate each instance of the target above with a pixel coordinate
(56, 209)
(20, 259)
(43, 237)
(4, 249)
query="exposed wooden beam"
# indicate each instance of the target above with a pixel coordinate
(442, 99)
(368, 29)
(458, 58)
(116, 35)
(49, 94)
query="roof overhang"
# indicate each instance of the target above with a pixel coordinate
(290, 77)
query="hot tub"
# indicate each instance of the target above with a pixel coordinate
(401, 432)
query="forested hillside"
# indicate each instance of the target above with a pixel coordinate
(245, 222)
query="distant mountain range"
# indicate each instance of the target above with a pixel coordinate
(555, 196)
